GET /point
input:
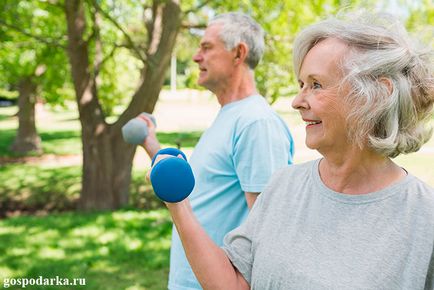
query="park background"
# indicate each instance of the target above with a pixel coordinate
(67, 88)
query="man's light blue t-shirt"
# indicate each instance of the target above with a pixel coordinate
(245, 144)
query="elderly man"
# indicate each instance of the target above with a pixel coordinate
(246, 143)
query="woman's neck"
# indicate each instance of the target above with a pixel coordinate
(359, 172)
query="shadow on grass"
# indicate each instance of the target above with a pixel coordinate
(53, 142)
(110, 250)
(28, 189)
(4, 117)
(35, 188)
(68, 142)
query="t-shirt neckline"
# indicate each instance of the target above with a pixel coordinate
(239, 102)
(357, 198)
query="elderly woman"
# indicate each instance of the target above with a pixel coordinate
(353, 219)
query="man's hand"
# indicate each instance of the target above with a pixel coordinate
(158, 159)
(151, 144)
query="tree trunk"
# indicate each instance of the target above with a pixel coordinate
(107, 159)
(27, 138)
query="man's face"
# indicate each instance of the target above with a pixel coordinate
(216, 64)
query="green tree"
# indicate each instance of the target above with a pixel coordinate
(32, 61)
(148, 32)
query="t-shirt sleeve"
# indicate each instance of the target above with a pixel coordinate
(237, 244)
(261, 148)
(429, 284)
(240, 244)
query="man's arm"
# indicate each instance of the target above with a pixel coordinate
(251, 198)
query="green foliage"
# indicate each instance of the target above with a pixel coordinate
(119, 78)
(119, 73)
(187, 70)
(12, 95)
(421, 21)
(118, 250)
(31, 45)
(21, 54)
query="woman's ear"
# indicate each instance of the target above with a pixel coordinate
(388, 83)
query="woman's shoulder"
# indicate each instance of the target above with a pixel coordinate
(419, 195)
(293, 173)
(298, 168)
(286, 182)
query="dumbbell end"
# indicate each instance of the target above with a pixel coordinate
(135, 132)
(172, 179)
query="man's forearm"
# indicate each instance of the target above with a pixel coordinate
(209, 262)
(151, 146)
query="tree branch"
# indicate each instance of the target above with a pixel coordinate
(190, 26)
(118, 26)
(98, 45)
(108, 56)
(48, 41)
(198, 7)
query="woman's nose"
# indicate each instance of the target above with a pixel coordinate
(299, 102)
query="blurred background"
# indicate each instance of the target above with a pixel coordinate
(74, 202)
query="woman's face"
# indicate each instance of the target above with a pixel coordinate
(320, 100)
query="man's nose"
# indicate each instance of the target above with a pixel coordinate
(197, 57)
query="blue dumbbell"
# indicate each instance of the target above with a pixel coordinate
(172, 178)
(135, 131)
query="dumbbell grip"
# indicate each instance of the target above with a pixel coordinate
(169, 151)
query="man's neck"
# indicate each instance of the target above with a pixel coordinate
(239, 87)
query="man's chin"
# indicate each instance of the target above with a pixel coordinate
(201, 83)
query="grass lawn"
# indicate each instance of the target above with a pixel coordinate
(112, 250)
(126, 249)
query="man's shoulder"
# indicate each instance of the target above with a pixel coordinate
(257, 110)
(256, 107)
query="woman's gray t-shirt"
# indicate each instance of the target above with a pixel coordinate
(302, 235)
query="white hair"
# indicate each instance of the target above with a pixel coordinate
(390, 77)
(238, 27)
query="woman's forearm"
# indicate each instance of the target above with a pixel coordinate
(209, 262)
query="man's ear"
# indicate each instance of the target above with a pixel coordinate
(241, 51)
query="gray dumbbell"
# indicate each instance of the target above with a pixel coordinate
(135, 131)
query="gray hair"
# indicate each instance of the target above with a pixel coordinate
(238, 27)
(390, 76)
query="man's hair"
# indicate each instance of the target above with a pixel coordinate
(390, 77)
(238, 27)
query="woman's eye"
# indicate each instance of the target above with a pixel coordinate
(301, 84)
(316, 85)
